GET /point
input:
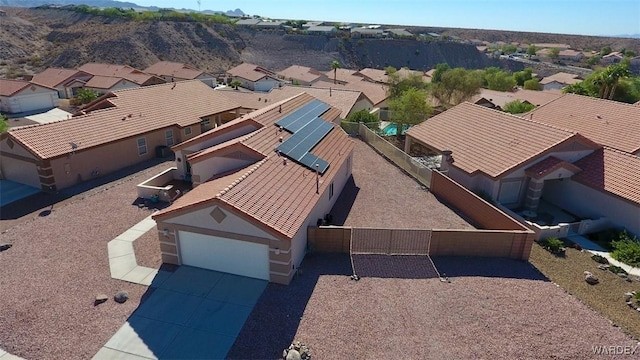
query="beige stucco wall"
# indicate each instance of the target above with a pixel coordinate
(17, 164)
(206, 169)
(13, 104)
(362, 104)
(125, 84)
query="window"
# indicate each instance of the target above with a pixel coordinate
(142, 146)
(331, 191)
(169, 136)
(187, 131)
(205, 122)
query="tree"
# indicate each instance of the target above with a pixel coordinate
(532, 84)
(605, 51)
(440, 69)
(629, 53)
(397, 84)
(593, 60)
(531, 50)
(4, 125)
(364, 116)
(518, 107)
(499, 80)
(456, 86)
(85, 96)
(613, 82)
(609, 79)
(554, 54)
(335, 66)
(235, 83)
(521, 76)
(410, 108)
(509, 49)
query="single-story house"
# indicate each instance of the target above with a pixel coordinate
(106, 84)
(400, 33)
(124, 71)
(367, 33)
(571, 55)
(552, 46)
(270, 25)
(253, 200)
(498, 99)
(173, 71)
(343, 76)
(254, 77)
(66, 81)
(607, 122)
(301, 75)
(376, 93)
(612, 58)
(322, 30)
(17, 96)
(248, 22)
(559, 80)
(117, 130)
(373, 75)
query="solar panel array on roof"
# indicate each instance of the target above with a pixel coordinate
(301, 117)
(298, 146)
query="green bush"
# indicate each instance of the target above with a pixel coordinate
(553, 244)
(626, 250)
(617, 270)
(349, 127)
(600, 259)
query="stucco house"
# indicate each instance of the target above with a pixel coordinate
(122, 71)
(253, 197)
(66, 81)
(117, 130)
(105, 84)
(254, 77)
(498, 99)
(301, 75)
(612, 58)
(173, 71)
(17, 96)
(570, 55)
(558, 81)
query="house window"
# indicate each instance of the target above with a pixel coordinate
(187, 131)
(330, 191)
(142, 146)
(205, 122)
(169, 136)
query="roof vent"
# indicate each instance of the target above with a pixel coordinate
(73, 145)
(129, 116)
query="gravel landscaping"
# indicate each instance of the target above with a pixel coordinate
(58, 265)
(147, 249)
(492, 309)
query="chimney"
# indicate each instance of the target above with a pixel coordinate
(447, 159)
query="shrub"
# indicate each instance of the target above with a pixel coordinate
(553, 245)
(600, 259)
(626, 249)
(617, 270)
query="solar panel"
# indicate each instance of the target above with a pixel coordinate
(309, 160)
(302, 116)
(298, 146)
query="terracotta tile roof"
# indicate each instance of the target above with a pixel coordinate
(53, 77)
(561, 77)
(342, 99)
(550, 164)
(174, 69)
(128, 113)
(344, 75)
(123, 71)
(301, 73)
(250, 72)
(569, 52)
(10, 87)
(374, 75)
(103, 82)
(278, 195)
(613, 171)
(487, 140)
(605, 122)
(500, 98)
(375, 92)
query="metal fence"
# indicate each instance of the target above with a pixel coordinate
(397, 156)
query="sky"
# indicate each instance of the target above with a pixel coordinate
(583, 17)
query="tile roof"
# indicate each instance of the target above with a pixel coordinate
(343, 99)
(10, 87)
(375, 92)
(344, 75)
(123, 71)
(605, 122)
(375, 75)
(53, 77)
(561, 77)
(250, 72)
(174, 69)
(301, 73)
(552, 45)
(488, 140)
(129, 113)
(103, 82)
(613, 171)
(278, 195)
(500, 98)
(550, 164)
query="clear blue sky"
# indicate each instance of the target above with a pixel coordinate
(585, 17)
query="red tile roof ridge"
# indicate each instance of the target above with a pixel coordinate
(621, 152)
(244, 176)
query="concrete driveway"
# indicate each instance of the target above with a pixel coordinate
(191, 314)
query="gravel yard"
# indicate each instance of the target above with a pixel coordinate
(57, 266)
(492, 309)
(381, 195)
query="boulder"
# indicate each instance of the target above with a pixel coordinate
(121, 297)
(627, 297)
(603, 267)
(590, 278)
(5, 246)
(101, 299)
(293, 354)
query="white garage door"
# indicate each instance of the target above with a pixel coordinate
(226, 255)
(36, 102)
(20, 171)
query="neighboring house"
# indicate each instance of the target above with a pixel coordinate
(559, 81)
(376, 93)
(248, 22)
(270, 25)
(552, 46)
(173, 71)
(348, 101)
(66, 81)
(301, 75)
(400, 33)
(105, 84)
(123, 71)
(612, 58)
(343, 76)
(18, 96)
(253, 201)
(570, 55)
(322, 30)
(607, 122)
(117, 130)
(373, 75)
(498, 99)
(254, 77)
(367, 33)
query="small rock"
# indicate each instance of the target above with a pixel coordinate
(591, 279)
(587, 273)
(101, 299)
(293, 355)
(628, 296)
(284, 353)
(121, 297)
(622, 275)
(630, 304)
(4, 247)
(603, 267)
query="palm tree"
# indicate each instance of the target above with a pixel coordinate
(335, 66)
